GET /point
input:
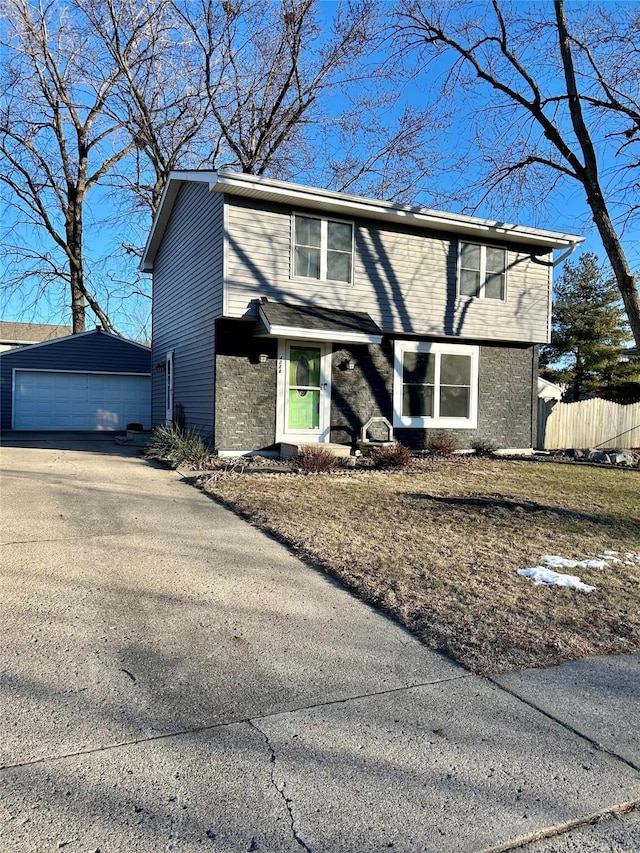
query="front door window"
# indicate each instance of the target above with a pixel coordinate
(304, 388)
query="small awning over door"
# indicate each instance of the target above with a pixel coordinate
(317, 324)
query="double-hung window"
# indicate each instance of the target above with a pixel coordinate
(322, 249)
(435, 385)
(482, 271)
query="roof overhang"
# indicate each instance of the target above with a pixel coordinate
(303, 323)
(342, 204)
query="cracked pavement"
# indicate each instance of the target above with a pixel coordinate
(175, 680)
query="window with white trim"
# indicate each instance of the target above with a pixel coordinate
(482, 271)
(435, 385)
(322, 249)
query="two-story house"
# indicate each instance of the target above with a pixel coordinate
(285, 313)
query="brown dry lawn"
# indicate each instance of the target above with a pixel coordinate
(438, 549)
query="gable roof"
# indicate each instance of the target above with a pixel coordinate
(344, 204)
(66, 338)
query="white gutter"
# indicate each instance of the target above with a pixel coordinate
(343, 204)
(566, 254)
(237, 183)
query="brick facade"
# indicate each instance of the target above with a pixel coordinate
(245, 392)
(506, 398)
(361, 393)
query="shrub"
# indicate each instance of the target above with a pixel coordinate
(390, 456)
(179, 446)
(315, 460)
(484, 448)
(441, 444)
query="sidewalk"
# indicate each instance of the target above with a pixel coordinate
(176, 680)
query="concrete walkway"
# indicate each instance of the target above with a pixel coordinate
(174, 680)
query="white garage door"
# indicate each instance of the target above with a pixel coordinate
(44, 400)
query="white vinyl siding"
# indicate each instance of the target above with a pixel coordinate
(435, 385)
(48, 400)
(405, 279)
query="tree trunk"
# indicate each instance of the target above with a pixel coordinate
(588, 176)
(76, 273)
(77, 304)
(625, 279)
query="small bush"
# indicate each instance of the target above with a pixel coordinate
(179, 446)
(390, 456)
(315, 460)
(484, 448)
(441, 444)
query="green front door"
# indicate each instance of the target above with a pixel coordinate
(304, 387)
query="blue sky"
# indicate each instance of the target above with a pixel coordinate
(565, 210)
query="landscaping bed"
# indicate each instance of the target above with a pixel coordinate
(438, 546)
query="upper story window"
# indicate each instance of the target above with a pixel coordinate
(322, 249)
(482, 271)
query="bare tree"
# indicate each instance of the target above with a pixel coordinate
(268, 68)
(106, 97)
(158, 99)
(564, 103)
(57, 143)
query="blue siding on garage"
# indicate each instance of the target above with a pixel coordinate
(95, 351)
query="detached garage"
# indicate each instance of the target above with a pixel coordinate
(93, 381)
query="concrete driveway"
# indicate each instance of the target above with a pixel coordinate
(176, 680)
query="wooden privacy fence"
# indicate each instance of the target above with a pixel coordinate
(589, 423)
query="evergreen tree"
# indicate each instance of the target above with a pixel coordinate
(589, 335)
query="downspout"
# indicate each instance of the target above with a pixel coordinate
(567, 253)
(573, 245)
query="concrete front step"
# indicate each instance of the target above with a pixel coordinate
(288, 451)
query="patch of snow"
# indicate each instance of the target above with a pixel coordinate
(542, 575)
(553, 562)
(547, 572)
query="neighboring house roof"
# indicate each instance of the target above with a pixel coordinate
(318, 323)
(18, 334)
(548, 390)
(342, 204)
